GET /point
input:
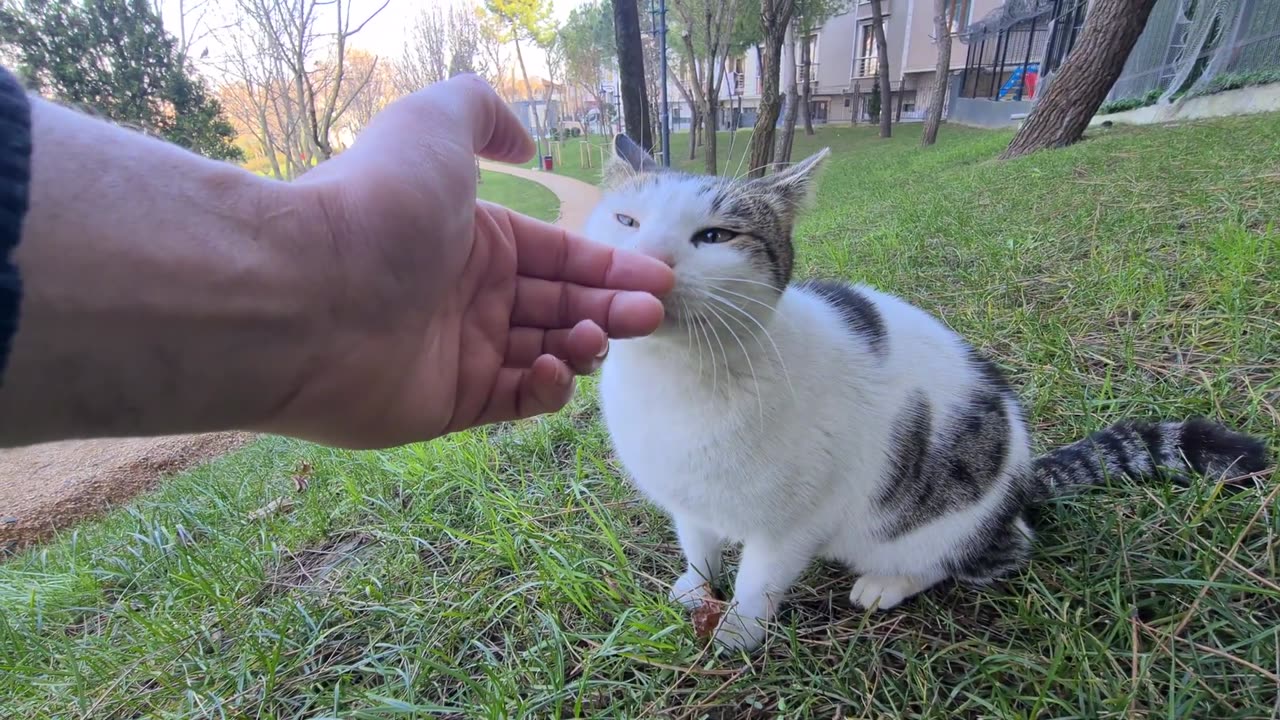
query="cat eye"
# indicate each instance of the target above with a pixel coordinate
(712, 235)
(626, 220)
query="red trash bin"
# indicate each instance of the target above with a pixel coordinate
(546, 163)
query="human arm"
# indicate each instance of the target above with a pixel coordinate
(371, 303)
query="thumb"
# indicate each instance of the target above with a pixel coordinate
(497, 133)
(463, 109)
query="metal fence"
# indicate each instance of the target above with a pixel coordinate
(1189, 46)
(1016, 45)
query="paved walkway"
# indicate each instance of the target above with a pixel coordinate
(49, 487)
(576, 197)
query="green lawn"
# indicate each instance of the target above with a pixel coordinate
(519, 194)
(511, 573)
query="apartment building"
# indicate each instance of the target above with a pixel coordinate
(845, 62)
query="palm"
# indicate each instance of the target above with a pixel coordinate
(455, 313)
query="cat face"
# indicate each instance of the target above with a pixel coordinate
(729, 241)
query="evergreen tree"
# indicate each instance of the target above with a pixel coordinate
(114, 58)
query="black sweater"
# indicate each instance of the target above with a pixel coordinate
(15, 179)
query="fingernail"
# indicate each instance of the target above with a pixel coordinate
(605, 352)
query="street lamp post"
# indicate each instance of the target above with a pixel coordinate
(659, 24)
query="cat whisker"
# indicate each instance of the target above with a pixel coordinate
(688, 326)
(715, 373)
(781, 363)
(772, 309)
(742, 280)
(747, 356)
(723, 354)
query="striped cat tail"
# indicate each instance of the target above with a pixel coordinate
(1141, 450)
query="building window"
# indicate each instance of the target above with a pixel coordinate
(960, 10)
(739, 74)
(868, 60)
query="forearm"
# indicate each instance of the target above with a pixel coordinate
(163, 292)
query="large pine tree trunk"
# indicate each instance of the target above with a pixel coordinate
(1076, 91)
(790, 100)
(806, 75)
(774, 20)
(882, 52)
(942, 31)
(635, 101)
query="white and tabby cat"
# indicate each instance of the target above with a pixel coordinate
(824, 419)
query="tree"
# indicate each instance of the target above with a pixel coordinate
(530, 21)
(114, 58)
(775, 17)
(587, 40)
(790, 98)
(942, 20)
(441, 44)
(366, 100)
(811, 15)
(296, 52)
(696, 112)
(882, 66)
(707, 38)
(1076, 91)
(493, 57)
(635, 99)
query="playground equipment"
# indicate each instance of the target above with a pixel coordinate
(1032, 72)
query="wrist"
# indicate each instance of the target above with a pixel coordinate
(164, 292)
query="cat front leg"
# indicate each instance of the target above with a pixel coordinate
(767, 571)
(703, 550)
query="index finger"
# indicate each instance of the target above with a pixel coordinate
(551, 253)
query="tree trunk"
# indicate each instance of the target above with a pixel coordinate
(882, 53)
(790, 101)
(709, 118)
(941, 70)
(806, 77)
(1062, 113)
(635, 100)
(528, 93)
(694, 112)
(775, 18)
(695, 118)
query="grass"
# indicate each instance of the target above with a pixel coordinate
(1236, 80)
(519, 194)
(510, 572)
(1130, 103)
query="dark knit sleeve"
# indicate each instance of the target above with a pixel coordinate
(15, 178)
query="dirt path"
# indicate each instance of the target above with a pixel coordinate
(46, 488)
(576, 197)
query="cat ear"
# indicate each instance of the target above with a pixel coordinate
(797, 184)
(626, 161)
(634, 155)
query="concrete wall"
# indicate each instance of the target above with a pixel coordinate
(985, 113)
(1243, 101)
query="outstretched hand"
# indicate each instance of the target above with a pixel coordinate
(446, 313)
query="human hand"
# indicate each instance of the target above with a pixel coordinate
(442, 313)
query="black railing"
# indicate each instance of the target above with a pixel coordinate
(1009, 54)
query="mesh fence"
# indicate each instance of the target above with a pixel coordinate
(1193, 46)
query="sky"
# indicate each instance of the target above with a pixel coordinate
(384, 36)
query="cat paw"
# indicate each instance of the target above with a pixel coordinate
(691, 590)
(736, 633)
(883, 591)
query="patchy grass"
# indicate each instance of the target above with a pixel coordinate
(521, 195)
(510, 572)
